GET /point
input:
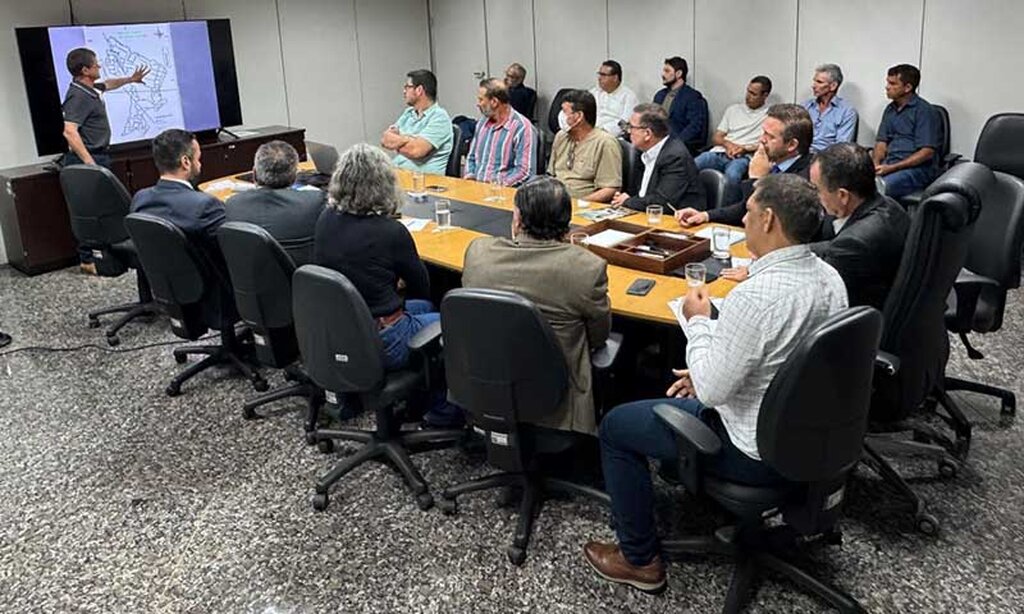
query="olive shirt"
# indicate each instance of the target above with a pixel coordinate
(596, 162)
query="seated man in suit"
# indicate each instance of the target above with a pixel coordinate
(522, 97)
(908, 136)
(502, 149)
(687, 109)
(568, 285)
(288, 214)
(587, 160)
(669, 175)
(786, 138)
(730, 363)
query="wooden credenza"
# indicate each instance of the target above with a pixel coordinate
(34, 216)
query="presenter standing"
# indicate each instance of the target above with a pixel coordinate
(86, 127)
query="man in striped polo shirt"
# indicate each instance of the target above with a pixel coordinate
(503, 146)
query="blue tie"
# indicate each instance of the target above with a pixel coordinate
(775, 169)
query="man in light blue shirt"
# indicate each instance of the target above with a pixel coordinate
(422, 136)
(835, 121)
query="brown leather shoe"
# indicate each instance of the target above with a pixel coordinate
(608, 562)
(87, 267)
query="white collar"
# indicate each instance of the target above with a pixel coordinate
(650, 156)
(176, 180)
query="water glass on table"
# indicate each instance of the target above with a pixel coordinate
(654, 215)
(443, 213)
(721, 239)
(696, 272)
(494, 189)
(579, 238)
(418, 189)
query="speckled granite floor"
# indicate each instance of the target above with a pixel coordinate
(116, 498)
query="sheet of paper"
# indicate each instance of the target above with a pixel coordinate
(608, 238)
(676, 306)
(229, 184)
(414, 224)
(735, 236)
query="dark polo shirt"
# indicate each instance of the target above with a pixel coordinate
(84, 106)
(908, 129)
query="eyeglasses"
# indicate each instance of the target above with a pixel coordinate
(636, 127)
(408, 86)
(572, 155)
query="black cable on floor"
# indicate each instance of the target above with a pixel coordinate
(94, 346)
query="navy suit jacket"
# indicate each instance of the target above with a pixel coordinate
(688, 117)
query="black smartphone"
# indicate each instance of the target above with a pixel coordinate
(436, 188)
(640, 287)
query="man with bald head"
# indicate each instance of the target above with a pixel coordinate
(503, 143)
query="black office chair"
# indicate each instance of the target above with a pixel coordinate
(505, 367)
(261, 275)
(915, 344)
(810, 429)
(454, 167)
(999, 144)
(97, 204)
(630, 161)
(715, 187)
(555, 109)
(992, 268)
(342, 353)
(539, 160)
(189, 287)
(943, 157)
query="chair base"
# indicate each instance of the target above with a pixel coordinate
(302, 387)
(767, 554)
(536, 489)
(131, 311)
(229, 352)
(924, 522)
(387, 446)
(1007, 398)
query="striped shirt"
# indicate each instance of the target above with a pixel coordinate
(502, 151)
(733, 360)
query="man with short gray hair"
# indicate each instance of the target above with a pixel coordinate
(835, 121)
(289, 214)
(666, 174)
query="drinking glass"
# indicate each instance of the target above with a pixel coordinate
(582, 204)
(494, 189)
(443, 213)
(417, 190)
(654, 215)
(695, 274)
(579, 238)
(720, 241)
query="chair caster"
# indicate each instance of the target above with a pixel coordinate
(449, 507)
(927, 524)
(425, 501)
(948, 468)
(260, 384)
(506, 497)
(113, 341)
(173, 390)
(310, 437)
(320, 501)
(180, 358)
(326, 446)
(516, 555)
(94, 322)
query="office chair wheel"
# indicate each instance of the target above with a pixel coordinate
(94, 322)
(506, 497)
(113, 341)
(927, 524)
(449, 507)
(310, 437)
(516, 555)
(260, 384)
(425, 500)
(320, 501)
(180, 358)
(948, 468)
(326, 446)
(249, 413)
(173, 390)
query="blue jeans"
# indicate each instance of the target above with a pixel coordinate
(735, 170)
(102, 159)
(631, 433)
(908, 181)
(418, 314)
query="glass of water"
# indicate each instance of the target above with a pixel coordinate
(579, 238)
(494, 189)
(654, 215)
(443, 213)
(582, 204)
(418, 191)
(696, 272)
(721, 239)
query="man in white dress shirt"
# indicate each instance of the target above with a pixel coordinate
(731, 362)
(615, 101)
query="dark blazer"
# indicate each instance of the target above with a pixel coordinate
(733, 214)
(673, 180)
(867, 250)
(289, 215)
(523, 99)
(687, 117)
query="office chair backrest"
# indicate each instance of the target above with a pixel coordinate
(503, 365)
(538, 151)
(97, 204)
(454, 167)
(339, 341)
(942, 117)
(999, 144)
(714, 184)
(261, 276)
(914, 313)
(556, 108)
(630, 162)
(174, 269)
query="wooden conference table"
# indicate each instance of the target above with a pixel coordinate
(447, 249)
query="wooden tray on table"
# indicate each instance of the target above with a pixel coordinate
(642, 248)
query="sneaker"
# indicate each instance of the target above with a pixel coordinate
(88, 268)
(609, 563)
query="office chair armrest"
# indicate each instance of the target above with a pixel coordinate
(967, 290)
(425, 337)
(604, 357)
(967, 278)
(951, 160)
(890, 363)
(689, 427)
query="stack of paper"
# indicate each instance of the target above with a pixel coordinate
(608, 238)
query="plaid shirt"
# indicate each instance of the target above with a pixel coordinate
(504, 150)
(732, 360)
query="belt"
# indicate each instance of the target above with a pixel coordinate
(386, 321)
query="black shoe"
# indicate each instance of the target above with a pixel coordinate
(5, 339)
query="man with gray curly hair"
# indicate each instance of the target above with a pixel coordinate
(287, 213)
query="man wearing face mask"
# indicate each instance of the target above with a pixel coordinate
(586, 159)
(503, 144)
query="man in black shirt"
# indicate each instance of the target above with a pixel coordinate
(521, 97)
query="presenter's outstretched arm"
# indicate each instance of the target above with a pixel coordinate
(136, 77)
